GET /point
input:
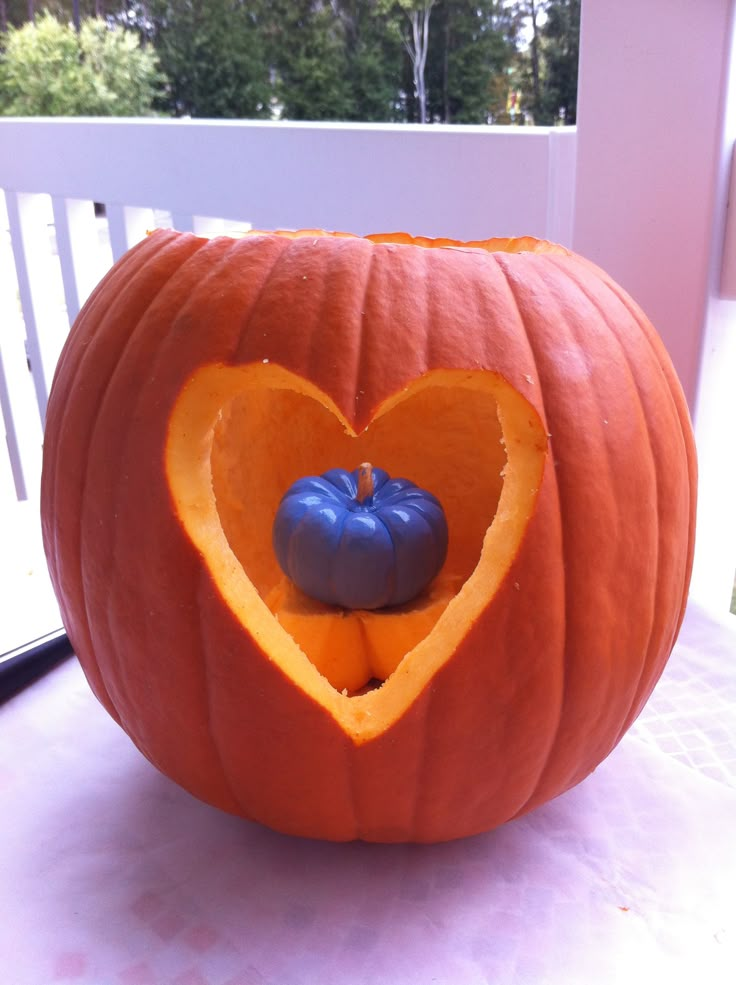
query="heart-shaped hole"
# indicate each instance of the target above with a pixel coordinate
(238, 438)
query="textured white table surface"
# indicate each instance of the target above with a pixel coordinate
(111, 875)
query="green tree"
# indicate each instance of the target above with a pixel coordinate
(19, 12)
(529, 62)
(373, 53)
(472, 44)
(214, 54)
(374, 60)
(47, 69)
(549, 67)
(309, 56)
(299, 59)
(561, 48)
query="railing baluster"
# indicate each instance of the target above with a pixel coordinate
(561, 188)
(79, 250)
(11, 435)
(23, 434)
(182, 222)
(206, 226)
(29, 236)
(22, 425)
(128, 225)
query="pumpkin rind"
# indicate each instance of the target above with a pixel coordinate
(554, 664)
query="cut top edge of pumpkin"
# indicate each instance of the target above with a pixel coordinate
(498, 244)
(189, 472)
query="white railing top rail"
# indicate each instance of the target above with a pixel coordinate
(463, 182)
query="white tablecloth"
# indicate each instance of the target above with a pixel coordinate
(111, 875)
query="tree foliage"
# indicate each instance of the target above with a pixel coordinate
(47, 69)
(450, 61)
(549, 69)
(212, 52)
(561, 46)
(473, 46)
(374, 61)
(310, 61)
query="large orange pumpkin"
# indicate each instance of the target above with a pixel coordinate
(512, 378)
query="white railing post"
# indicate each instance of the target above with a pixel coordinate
(561, 192)
(652, 169)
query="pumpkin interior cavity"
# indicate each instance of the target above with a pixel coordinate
(298, 436)
(445, 439)
(238, 438)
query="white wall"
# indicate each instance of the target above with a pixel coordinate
(655, 129)
(650, 138)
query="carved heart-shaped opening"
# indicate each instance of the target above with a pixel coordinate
(239, 436)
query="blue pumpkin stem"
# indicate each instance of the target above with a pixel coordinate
(365, 482)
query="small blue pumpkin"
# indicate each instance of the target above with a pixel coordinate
(360, 539)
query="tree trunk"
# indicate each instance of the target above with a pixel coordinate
(534, 49)
(446, 73)
(417, 47)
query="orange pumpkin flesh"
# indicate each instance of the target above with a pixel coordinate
(227, 509)
(511, 378)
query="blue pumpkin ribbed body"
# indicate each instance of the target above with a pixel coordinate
(381, 551)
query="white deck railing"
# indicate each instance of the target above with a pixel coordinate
(463, 182)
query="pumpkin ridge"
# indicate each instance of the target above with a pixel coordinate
(562, 772)
(397, 363)
(147, 246)
(673, 388)
(571, 316)
(421, 787)
(360, 411)
(549, 756)
(64, 381)
(236, 803)
(353, 786)
(360, 360)
(646, 682)
(128, 266)
(332, 271)
(119, 368)
(242, 336)
(436, 346)
(424, 259)
(682, 412)
(313, 334)
(223, 250)
(645, 670)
